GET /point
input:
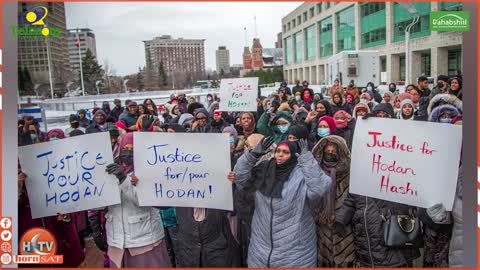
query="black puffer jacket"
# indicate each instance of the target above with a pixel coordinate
(365, 216)
(208, 243)
(218, 126)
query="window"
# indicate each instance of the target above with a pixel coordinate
(327, 5)
(299, 19)
(298, 47)
(326, 37)
(288, 50)
(319, 8)
(310, 42)
(377, 37)
(284, 28)
(454, 61)
(288, 24)
(402, 18)
(312, 12)
(371, 8)
(425, 68)
(402, 69)
(346, 29)
(294, 23)
(305, 16)
(451, 6)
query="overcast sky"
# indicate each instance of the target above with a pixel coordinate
(120, 28)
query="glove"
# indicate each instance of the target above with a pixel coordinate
(262, 147)
(439, 214)
(116, 170)
(97, 234)
(303, 146)
(147, 122)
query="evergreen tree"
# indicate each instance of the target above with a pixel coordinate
(162, 76)
(139, 81)
(92, 72)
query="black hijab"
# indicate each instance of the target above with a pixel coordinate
(269, 176)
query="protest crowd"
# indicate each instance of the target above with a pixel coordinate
(290, 169)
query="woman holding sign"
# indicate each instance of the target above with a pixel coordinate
(287, 189)
(135, 234)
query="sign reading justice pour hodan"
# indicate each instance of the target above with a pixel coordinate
(68, 175)
(409, 162)
(183, 170)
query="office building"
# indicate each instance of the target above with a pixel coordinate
(315, 31)
(223, 59)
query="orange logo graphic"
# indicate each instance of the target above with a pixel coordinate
(38, 245)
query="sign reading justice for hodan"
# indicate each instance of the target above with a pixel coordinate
(68, 175)
(183, 170)
(409, 162)
(239, 95)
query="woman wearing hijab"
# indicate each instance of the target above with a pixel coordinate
(307, 97)
(325, 126)
(437, 221)
(106, 107)
(375, 95)
(360, 110)
(334, 250)
(287, 189)
(172, 113)
(366, 98)
(353, 90)
(323, 108)
(135, 234)
(275, 125)
(398, 100)
(350, 102)
(248, 127)
(202, 122)
(388, 97)
(456, 87)
(344, 127)
(338, 103)
(62, 226)
(407, 111)
(218, 123)
(297, 132)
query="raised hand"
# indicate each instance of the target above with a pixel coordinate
(116, 170)
(262, 147)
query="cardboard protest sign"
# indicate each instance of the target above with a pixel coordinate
(409, 162)
(68, 175)
(238, 95)
(183, 169)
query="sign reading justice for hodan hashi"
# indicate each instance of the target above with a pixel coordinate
(239, 95)
(183, 170)
(409, 162)
(68, 175)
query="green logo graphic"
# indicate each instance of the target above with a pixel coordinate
(449, 21)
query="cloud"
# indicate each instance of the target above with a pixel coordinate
(120, 28)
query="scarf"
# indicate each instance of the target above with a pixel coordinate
(327, 215)
(307, 100)
(249, 130)
(269, 177)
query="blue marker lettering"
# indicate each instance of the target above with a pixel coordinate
(99, 157)
(81, 162)
(87, 176)
(50, 179)
(87, 192)
(76, 195)
(53, 198)
(61, 179)
(48, 161)
(63, 198)
(158, 190)
(99, 192)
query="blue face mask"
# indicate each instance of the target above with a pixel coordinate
(298, 98)
(446, 120)
(33, 136)
(364, 101)
(232, 140)
(323, 132)
(283, 128)
(369, 88)
(53, 139)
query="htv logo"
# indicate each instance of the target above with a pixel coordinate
(39, 248)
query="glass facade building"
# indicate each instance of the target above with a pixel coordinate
(346, 29)
(310, 42)
(326, 37)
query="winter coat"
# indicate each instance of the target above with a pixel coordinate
(208, 243)
(217, 127)
(455, 256)
(129, 119)
(437, 91)
(346, 133)
(70, 129)
(365, 216)
(130, 225)
(65, 233)
(283, 229)
(354, 91)
(95, 127)
(116, 112)
(84, 123)
(269, 128)
(334, 250)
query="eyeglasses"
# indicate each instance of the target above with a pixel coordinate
(201, 118)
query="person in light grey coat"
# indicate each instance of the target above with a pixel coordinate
(455, 255)
(288, 188)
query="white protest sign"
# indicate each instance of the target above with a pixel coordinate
(183, 169)
(68, 175)
(409, 162)
(239, 95)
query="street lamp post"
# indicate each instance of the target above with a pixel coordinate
(49, 65)
(410, 8)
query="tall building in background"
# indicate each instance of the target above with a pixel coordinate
(183, 60)
(257, 54)
(313, 32)
(86, 42)
(247, 58)
(32, 51)
(223, 59)
(278, 43)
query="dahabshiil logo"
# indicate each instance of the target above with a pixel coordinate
(449, 21)
(31, 24)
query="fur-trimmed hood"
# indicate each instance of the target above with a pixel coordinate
(441, 99)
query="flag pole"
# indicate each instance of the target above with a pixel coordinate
(81, 68)
(49, 65)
